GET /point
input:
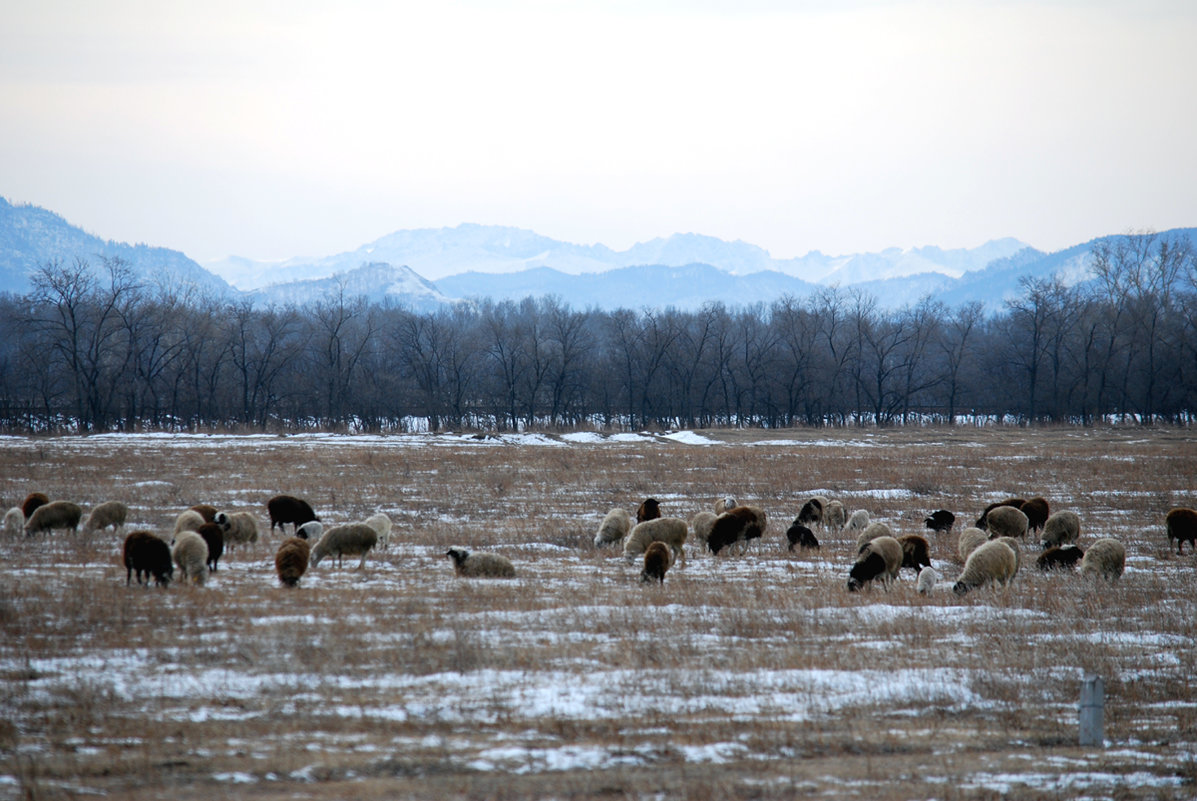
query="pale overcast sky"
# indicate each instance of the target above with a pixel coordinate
(272, 130)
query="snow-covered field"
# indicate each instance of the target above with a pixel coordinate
(754, 675)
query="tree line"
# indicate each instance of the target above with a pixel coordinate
(92, 348)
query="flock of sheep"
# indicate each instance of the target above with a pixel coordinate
(990, 548)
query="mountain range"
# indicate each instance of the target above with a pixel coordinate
(427, 268)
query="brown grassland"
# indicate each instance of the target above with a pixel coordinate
(753, 675)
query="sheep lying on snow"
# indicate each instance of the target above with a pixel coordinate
(1006, 521)
(480, 565)
(982, 521)
(1060, 557)
(672, 531)
(702, 523)
(188, 520)
(941, 520)
(291, 560)
(724, 504)
(284, 509)
(740, 524)
(649, 510)
(970, 539)
(871, 532)
(240, 528)
(353, 539)
(32, 501)
(1062, 528)
(858, 521)
(879, 558)
(1105, 558)
(206, 511)
(916, 551)
(811, 513)
(1182, 527)
(1037, 511)
(801, 536)
(834, 516)
(145, 553)
(382, 526)
(214, 538)
(190, 553)
(993, 561)
(926, 581)
(656, 562)
(14, 521)
(310, 530)
(56, 514)
(615, 526)
(109, 513)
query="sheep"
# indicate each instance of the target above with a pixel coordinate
(725, 504)
(353, 539)
(109, 513)
(188, 520)
(284, 509)
(1062, 528)
(834, 516)
(145, 553)
(871, 532)
(1105, 558)
(811, 513)
(672, 531)
(649, 510)
(992, 561)
(190, 553)
(800, 535)
(480, 565)
(879, 558)
(214, 538)
(310, 530)
(206, 511)
(1059, 557)
(240, 528)
(615, 526)
(916, 551)
(1006, 521)
(858, 521)
(1013, 543)
(381, 524)
(32, 501)
(291, 560)
(741, 524)
(56, 514)
(970, 539)
(940, 521)
(656, 562)
(1037, 510)
(1181, 524)
(926, 581)
(701, 524)
(14, 521)
(982, 520)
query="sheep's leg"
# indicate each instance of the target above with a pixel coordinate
(362, 566)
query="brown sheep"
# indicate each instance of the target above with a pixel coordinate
(656, 563)
(206, 511)
(284, 509)
(1037, 510)
(741, 524)
(214, 537)
(649, 510)
(916, 551)
(291, 561)
(32, 501)
(1181, 524)
(811, 513)
(1060, 557)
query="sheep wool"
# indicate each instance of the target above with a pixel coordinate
(990, 562)
(969, 540)
(614, 527)
(1105, 558)
(656, 563)
(858, 521)
(1006, 521)
(32, 501)
(941, 520)
(811, 513)
(724, 504)
(206, 511)
(284, 509)
(871, 532)
(1181, 524)
(188, 520)
(741, 524)
(649, 510)
(880, 558)
(1037, 511)
(916, 551)
(382, 526)
(14, 521)
(834, 516)
(291, 561)
(926, 581)
(480, 565)
(701, 524)
(53, 515)
(214, 538)
(1061, 557)
(145, 553)
(190, 554)
(798, 535)
(983, 521)
(1062, 528)
(240, 528)
(354, 539)
(109, 513)
(672, 531)
(1013, 543)
(311, 530)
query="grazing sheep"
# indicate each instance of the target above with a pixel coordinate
(353, 539)
(109, 513)
(14, 521)
(291, 560)
(1062, 528)
(879, 558)
(649, 510)
(834, 516)
(188, 520)
(615, 526)
(56, 514)
(145, 553)
(916, 551)
(240, 528)
(480, 565)
(672, 531)
(725, 504)
(811, 513)
(214, 538)
(1059, 557)
(926, 581)
(656, 562)
(284, 509)
(1181, 524)
(1013, 543)
(741, 524)
(310, 530)
(970, 539)
(800, 535)
(1037, 510)
(992, 561)
(982, 521)
(940, 521)
(190, 553)
(701, 524)
(1006, 521)
(871, 532)
(206, 511)
(382, 525)
(858, 521)
(32, 501)
(1105, 558)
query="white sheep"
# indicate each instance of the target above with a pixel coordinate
(109, 513)
(1006, 521)
(382, 525)
(1062, 528)
(14, 521)
(353, 539)
(188, 520)
(240, 528)
(615, 526)
(858, 521)
(311, 530)
(1105, 558)
(969, 540)
(672, 531)
(834, 516)
(190, 553)
(992, 561)
(926, 581)
(725, 504)
(480, 565)
(871, 532)
(1013, 543)
(701, 524)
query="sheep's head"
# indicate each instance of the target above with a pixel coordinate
(222, 520)
(458, 555)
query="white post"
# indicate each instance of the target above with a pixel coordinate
(1093, 701)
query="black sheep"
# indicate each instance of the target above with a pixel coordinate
(145, 553)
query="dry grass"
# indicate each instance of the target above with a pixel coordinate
(754, 676)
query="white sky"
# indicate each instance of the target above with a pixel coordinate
(284, 129)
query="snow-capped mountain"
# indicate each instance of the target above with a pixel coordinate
(378, 283)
